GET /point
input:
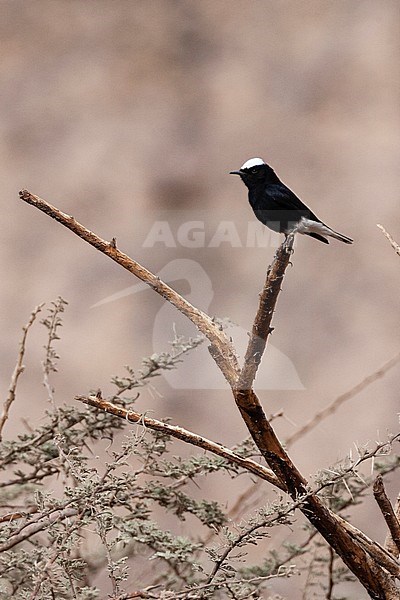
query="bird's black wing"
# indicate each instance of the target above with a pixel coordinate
(280, 197)
(277, 207)
(286, 202)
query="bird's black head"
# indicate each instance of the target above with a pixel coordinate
(254, 172)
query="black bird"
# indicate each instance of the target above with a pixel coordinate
(277, 207)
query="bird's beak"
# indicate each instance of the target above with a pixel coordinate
(235, 172)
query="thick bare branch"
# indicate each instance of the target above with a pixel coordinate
(19, 368)
(372, 549)
(387, 511)
(250, 495)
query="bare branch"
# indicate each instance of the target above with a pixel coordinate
(372, 549)
(394, 244)
(387, 511)
(182, 434)
(262, 322)
(389, 543)
(343, 539)
(19, 368)
(201, 320)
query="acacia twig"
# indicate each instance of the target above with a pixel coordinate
(15, 516)
(251, 491)
(387, 511)
(19, 368)
(281, 516)
(373, 550)
(44, 573)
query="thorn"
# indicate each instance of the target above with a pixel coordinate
(98, 394)
(113, 243)
(270, 330)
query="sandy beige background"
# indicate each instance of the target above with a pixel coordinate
(124, 113)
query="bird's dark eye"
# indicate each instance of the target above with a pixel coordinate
(254, 169)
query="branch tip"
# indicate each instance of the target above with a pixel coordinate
(387, 511)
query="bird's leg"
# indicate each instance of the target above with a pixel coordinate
(289, 241)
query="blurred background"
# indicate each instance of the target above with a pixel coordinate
(129, 116)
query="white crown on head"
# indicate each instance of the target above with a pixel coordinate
(252, 162)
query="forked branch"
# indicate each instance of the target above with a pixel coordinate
(371, 567)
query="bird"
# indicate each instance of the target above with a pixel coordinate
(277, 207)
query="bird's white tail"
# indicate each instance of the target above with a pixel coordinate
(309, 226)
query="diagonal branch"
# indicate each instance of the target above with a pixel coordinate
(182, 434)
(201, 320)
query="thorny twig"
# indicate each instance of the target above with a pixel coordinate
(372, 548)
(330, 409)
(331, 581)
